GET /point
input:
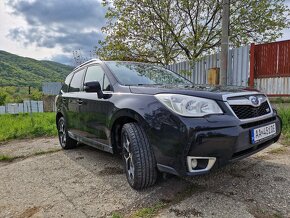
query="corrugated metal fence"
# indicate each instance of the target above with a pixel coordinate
(271, 67)
(238, 65)
(25, 107)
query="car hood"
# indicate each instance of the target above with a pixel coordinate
(211, 92)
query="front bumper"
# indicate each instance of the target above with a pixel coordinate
(219, 136)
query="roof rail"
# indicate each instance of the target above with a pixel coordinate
(89, 61)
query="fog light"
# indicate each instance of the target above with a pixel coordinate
(193, 163)
(200, 164)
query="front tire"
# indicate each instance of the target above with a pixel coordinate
(138, 157)
(65, 141)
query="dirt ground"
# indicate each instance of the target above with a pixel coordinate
(41, 180)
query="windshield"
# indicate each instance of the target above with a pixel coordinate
(129, 73)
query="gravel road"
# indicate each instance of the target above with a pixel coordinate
(41, 180)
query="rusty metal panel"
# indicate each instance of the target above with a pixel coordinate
(272, 59)
(274, 85)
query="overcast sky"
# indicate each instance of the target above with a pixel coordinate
(53, 29)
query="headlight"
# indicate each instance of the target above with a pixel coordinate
(188, 105)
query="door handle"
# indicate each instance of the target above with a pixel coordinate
(80, 101)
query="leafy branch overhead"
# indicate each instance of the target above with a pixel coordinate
(168, 31)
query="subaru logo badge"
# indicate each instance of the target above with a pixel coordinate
(254, 100)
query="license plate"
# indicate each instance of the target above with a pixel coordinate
(261, 133)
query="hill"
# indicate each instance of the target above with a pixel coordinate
(22, 71)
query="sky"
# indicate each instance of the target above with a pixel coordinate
(53, 29)
(50, 29)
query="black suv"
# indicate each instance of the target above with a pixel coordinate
(159, 121)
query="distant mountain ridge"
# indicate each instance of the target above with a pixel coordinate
(22, 71)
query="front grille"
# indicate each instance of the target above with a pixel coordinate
(248, 111)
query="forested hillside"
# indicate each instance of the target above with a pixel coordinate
(22, 71)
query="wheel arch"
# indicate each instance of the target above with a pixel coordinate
(118, 120)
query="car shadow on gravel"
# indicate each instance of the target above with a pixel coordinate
(104, 164)
(260, 184)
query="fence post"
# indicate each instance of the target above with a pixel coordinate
(252, 65)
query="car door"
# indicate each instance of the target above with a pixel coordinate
(72, 97)
(94, 111)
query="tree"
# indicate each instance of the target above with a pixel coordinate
(163, 32)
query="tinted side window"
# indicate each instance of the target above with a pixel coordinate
(76, 82)
(106, 86)
(65, 86)
(96, 73)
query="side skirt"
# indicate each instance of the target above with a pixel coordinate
(92, 143)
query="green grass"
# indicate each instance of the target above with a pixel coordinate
(117, 215)
(153, 210)
(6, 158)
(23, 126)
(149, 212)
(284, 113)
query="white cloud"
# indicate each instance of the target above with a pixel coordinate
(53, 29)
(48, 29)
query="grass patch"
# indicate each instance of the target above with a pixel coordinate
(18, 126)
(46, 152)
(6, 158)
(284, 113)
(117, 215)
(152, 211)
(280, 150)
(149, 212)
(279, 100)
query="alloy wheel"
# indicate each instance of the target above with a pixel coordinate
(62, 133)
(128, 157)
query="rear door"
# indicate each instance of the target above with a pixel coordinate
(74, 101)
(94, 111)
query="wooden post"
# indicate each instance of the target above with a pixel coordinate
(252, 66)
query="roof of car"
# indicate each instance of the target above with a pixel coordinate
(100, 61)
(87, 62)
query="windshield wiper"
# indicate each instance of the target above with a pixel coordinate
(154, 84)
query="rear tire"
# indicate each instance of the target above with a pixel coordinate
(138, 157)
(65, 141)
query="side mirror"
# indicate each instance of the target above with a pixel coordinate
(94, 87)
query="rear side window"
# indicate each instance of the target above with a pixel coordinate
(76, 82)
(65, 86)
(96, 73)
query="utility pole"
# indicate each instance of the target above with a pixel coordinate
(30, 105)
(225, 42)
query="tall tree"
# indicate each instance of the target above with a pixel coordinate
(168, 31)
